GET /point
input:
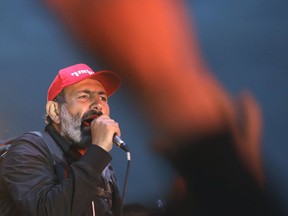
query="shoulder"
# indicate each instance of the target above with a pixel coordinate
(28, 160)
(27, 147)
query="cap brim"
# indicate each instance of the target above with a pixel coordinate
(110, 80)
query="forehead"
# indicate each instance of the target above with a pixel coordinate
(87, 84)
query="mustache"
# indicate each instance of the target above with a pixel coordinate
(91, 114)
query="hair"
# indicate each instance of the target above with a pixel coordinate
(60, 98)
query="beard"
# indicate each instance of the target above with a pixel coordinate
(72, 128)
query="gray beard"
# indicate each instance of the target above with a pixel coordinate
(71, 129)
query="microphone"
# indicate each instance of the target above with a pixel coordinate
(120, 143)
(116, 139)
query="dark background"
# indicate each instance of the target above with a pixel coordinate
(245, 44)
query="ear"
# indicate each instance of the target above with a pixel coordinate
(52, 110)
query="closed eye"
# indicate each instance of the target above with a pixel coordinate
(83, 96)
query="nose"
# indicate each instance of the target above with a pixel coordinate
(96, 105)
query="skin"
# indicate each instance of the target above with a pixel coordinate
(80, 98)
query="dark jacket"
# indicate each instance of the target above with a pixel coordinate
(30, 186)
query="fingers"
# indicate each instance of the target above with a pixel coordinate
(102, 131)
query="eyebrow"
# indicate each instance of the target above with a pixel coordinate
(101, 92)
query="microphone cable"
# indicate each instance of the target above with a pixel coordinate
(125, 182)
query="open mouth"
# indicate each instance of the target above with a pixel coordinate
(87, 122)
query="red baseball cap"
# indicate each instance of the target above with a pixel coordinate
(76, 73)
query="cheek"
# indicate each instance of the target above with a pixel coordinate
(107, 109)
(77, 110)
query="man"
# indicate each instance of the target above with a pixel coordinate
(211, 139)
(82, 182)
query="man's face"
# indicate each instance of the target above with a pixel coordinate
(85, 101)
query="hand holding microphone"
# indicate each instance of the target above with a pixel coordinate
(102, 129)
